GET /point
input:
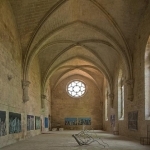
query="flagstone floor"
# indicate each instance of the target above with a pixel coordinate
(63, 140)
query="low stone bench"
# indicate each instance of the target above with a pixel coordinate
(61, 129)
(116, 132)
(54, 129)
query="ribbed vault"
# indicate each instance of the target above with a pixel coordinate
(83, 37)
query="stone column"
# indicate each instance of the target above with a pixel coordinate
(25, 86)
(130, 89)
(111, 98)
(43, 97)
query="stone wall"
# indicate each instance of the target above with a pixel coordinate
(11, 93)
(64, 106)
(33, 106)
(10, 71)
(138, 103)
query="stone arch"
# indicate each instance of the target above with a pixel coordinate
(147, 80)
(32, 53)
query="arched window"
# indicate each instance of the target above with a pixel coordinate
(106, 104)
(120, 96)
(147, 80)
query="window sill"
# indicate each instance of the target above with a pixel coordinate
(121, 118)
(147, 117)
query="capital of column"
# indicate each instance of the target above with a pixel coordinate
(43, 96)
(130, 82)
(25, 83)
(111, 96)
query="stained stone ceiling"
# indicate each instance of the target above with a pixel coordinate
(79, 37)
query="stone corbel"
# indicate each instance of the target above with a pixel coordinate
(111, 98)
(43, 97)
(130, 86)
(25, 86)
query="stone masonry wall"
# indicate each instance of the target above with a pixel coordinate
(10, 71)
(64, 106)
(11, 92)
(33, 106)
(138, 103)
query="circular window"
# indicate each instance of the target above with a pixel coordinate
(76, 88)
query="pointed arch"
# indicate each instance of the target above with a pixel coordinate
(147, 80)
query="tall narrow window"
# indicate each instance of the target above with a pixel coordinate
(120, 96)
(122, 99)
(147, 80)
(106, 104)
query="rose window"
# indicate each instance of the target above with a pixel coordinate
(76, 89)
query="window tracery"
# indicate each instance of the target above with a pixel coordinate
(76, 89)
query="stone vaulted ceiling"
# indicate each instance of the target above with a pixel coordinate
(78, 37)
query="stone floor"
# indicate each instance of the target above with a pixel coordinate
(63, 140)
